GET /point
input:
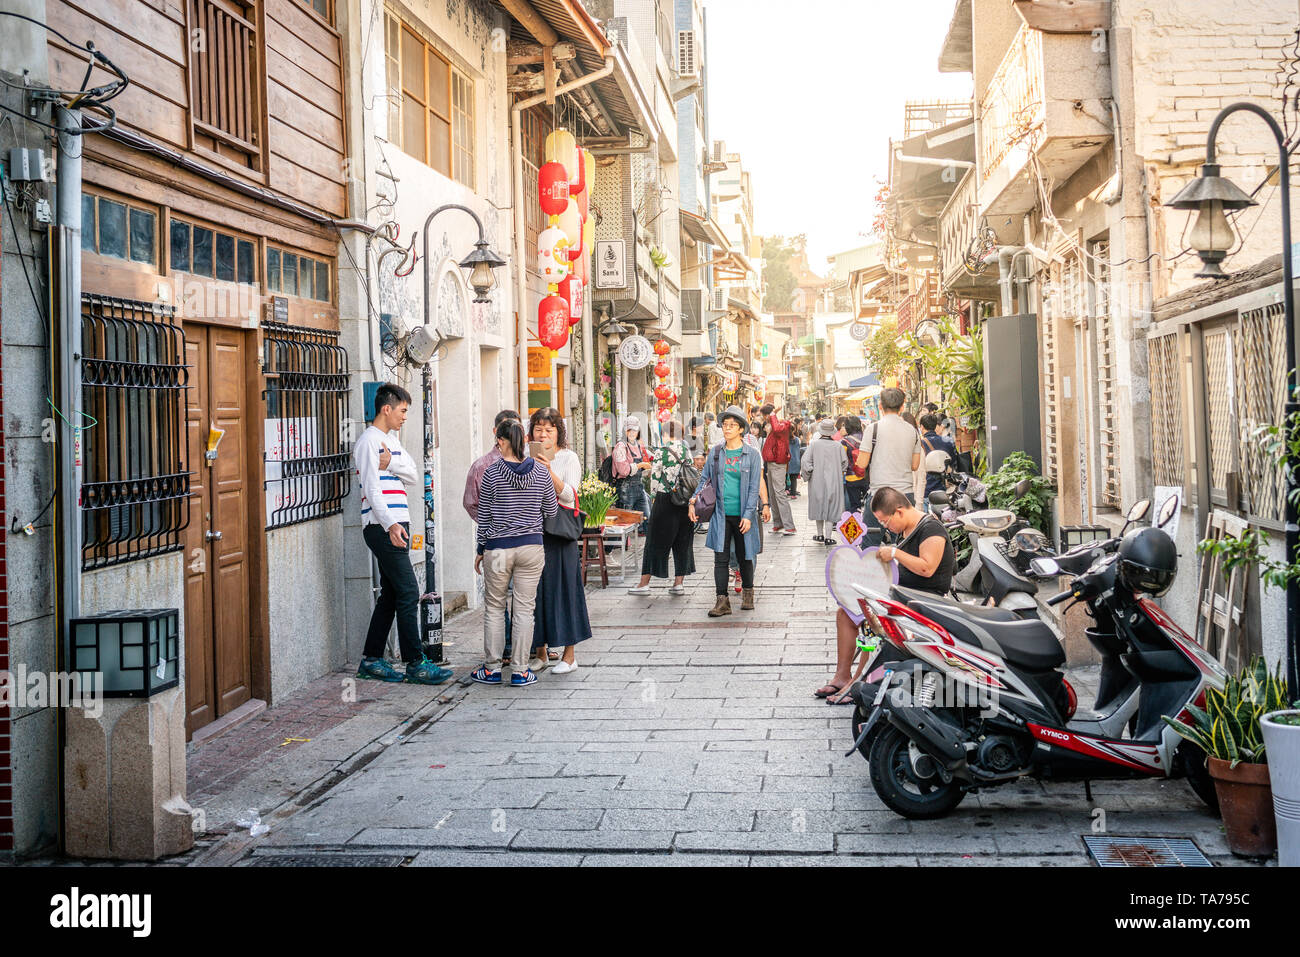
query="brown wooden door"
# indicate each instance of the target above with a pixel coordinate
(218, 595)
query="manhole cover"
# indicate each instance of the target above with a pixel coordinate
(327, 860)
(1145, 852)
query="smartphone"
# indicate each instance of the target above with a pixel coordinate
(534, 448)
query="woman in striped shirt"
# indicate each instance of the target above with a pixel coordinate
(515, 496)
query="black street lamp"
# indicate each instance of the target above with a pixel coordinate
(1213, 196)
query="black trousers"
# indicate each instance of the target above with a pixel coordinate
(670, 532)
(399, 595)
(722, 559)
(855, 495)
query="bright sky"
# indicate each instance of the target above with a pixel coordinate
(810, 93)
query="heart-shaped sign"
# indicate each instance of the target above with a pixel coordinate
(847, 566)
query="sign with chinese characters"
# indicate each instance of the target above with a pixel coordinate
(288, 440)
(611, 264)
(850, 528)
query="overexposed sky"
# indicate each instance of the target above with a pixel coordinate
(809, 93)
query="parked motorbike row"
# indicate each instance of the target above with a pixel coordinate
(961, 696)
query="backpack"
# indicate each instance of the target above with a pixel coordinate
(856, 469)
(687, 479)
(606, 471)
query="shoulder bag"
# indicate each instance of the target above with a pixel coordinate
(566, 523)
(707, 500)
(687, 479)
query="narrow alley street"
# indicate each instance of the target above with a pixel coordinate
(681, 739)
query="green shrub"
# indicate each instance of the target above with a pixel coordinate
(1032, 506)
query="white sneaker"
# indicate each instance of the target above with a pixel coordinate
(677, 589)
(639, 590)
(564, 667)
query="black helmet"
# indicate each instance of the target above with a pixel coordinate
(1148, 560)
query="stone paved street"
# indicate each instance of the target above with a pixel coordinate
(681, 739)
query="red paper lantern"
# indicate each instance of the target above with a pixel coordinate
(572, 291)
(663, 392)
(672, 400)
(553, 188)
(662, 369)
(664, 415)
(662, 348)
(553, 322)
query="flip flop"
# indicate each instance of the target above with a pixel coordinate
(844, 697)
(827, 690)
(552, 655)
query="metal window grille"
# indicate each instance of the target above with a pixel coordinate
(1166, 410)
(1107, 425)
(1261, 373)
(308, 458)
(1220, 396)
(136, 477)
(1051, 411)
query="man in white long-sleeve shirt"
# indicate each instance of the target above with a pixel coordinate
(384, 469)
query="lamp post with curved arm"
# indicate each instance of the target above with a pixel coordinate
(1213, 196)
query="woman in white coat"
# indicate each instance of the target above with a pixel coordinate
(822, 467)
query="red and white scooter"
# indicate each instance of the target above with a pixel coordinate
(972, 700)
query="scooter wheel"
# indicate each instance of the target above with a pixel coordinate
(1198, 775)
(899, 787)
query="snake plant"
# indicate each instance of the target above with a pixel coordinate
(1228, 727)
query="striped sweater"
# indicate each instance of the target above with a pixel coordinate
(383, 492)
(512, 501)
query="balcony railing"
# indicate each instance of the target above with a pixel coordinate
(959, 224)
(922, 304)
(1012, 109)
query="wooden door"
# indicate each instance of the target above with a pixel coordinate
(218, 593)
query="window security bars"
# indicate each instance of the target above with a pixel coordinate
(136, 478)
(308, 446)
(1164, 360)
(1260, 401)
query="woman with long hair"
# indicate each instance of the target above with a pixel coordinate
(515, 498)
(562, 619)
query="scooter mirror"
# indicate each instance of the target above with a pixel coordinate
(1139, 510)
(1045, 567)
(1168, 510)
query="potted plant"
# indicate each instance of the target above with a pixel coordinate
(1281, 731)
(595, 499)
(1228, 731)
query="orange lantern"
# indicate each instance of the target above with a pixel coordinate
(571, 290)
(553, 188)
(662, 392)
(672, 400)
(553, 322)
(662, 348)
(662, 369)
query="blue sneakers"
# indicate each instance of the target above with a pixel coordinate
(425, 672)
(378, 669)
(485, 677)
(520, 678)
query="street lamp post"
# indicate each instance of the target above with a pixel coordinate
(1212, 196)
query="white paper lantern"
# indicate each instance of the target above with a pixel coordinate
(552, 255)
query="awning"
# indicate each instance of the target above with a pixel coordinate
(867, 380)
(870, 392)
(702, 229)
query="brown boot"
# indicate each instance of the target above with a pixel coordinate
(747, 600)
(722, 607)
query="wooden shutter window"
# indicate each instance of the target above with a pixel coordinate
(225, 72)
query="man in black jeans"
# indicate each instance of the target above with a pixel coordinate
(385, 469)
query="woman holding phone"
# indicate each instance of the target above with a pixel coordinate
(562, 619)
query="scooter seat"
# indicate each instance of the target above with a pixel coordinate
(1029, 643)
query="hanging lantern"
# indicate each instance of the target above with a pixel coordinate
(662, 348)
(553, 188)
(588, 170)
(562, 148)
(584, 205)
(570, 222)
(582, 266)
(578, 185)
(571, 290)
(663, 392)
(589, 235)
(662, 369)
(552, 255)
(664, 415)
(672, 400)
(553, 322)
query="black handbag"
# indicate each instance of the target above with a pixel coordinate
(687, 480)
(566, 523)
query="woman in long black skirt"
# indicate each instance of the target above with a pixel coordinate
(561, 615)
(671, 530)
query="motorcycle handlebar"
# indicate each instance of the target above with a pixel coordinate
(1062, 596)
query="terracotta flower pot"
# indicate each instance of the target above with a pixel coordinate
(1246, 802)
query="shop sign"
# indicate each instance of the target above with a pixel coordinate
(611, 264)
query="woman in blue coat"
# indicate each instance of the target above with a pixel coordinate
(735, 471)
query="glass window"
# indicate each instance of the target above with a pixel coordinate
(322, 282)
(142, 236)
(88, 222)
(112, 229)
(246, 271)
(306, 278)
(180, 246)
(273, 270)
(431, 104)
(202, 252)
(290, 273)
(225, 257)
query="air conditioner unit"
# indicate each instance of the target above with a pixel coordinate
(687, 62)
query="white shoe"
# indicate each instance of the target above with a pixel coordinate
(677, 589)
(639, 590)
(564, 667)
(538, 664)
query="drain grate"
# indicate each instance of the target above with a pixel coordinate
(326, 860)
(1145, 852)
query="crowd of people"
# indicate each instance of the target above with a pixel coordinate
(745, 467)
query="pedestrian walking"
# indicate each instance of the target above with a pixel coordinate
(561, 619)
(776, 463)
(515, 497)
(893, 453)
(798, 437)
(939, 451)
(712, 432)
(734, 470)
(822, 466)
(631, 459)
(855, 477)
(671, 529)
(384, 469)
(469, 499)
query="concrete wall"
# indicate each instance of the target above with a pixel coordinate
(305, 596)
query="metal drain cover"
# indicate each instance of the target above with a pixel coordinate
(1145, 852)
(326, 860)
